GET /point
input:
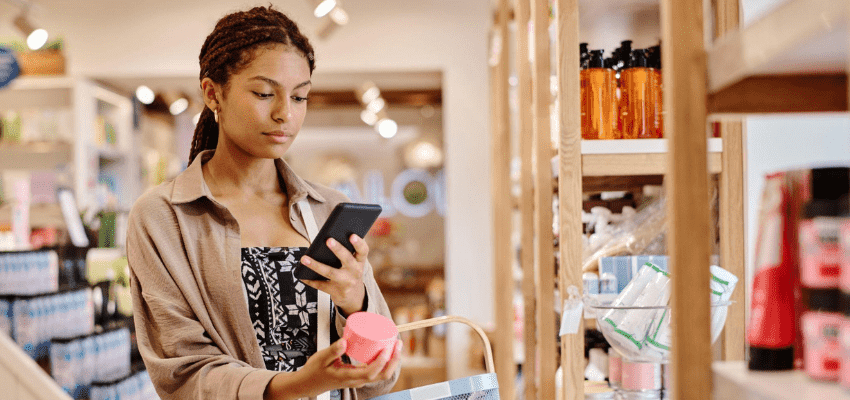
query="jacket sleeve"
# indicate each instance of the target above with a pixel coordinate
(182, 359)
(375, 304)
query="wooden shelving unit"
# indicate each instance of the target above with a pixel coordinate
(791, 60)
(635, 157)
(685, 160)
(794, 59)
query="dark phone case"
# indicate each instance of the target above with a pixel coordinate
(345, 219)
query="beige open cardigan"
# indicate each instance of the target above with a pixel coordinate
(192, 322)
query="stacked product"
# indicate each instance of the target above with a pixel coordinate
(34, 320)
(801, 290)
(135, 387)
(820, 271)
(29, 272)
(621, 96)
(48, 307)
(77, 362)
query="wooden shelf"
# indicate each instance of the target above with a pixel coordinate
(635, 157)
(798, 38)
(733, 380)
(35, 156)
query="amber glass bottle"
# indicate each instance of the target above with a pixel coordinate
(641, 98)
(599, 87)
(654, 59)
(584, 57)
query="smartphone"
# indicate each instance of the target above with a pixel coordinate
(345, 219)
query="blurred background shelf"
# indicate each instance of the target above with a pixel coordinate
(35, 156)
(733, 380)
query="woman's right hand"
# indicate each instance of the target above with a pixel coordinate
(325, 371)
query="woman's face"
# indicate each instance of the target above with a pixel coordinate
(265, 104)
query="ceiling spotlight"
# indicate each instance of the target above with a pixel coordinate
(178, 106)
(324, 7)
(369, 117)
(370, 93)
(376, 105)
(339, 16)
(145, 94)
(196, 118)
(36, 38)
(387, 128)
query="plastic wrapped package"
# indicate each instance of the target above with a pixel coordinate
(631, 237)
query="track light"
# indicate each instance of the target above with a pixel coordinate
(376, 105)
(36, 37)
(331, 14)
(145, 94)
(387, 128)
(178, 106)
(369, 117)
(324, 7)
(339, 16)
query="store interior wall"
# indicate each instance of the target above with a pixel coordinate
(164, 37)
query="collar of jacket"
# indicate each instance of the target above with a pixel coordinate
(190, 184)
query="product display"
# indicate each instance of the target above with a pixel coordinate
(29, 272)
(35, 320)
(637, 323)
(77, 362)
(799, 315)
(621, 96)
(599, 101)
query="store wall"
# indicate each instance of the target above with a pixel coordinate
(164, 37)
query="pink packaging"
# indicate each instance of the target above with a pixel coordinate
(820, 253)
(844, 379)
(822, 359)
(845, 256)
(641, 376)
(367, 334)
(615, 368)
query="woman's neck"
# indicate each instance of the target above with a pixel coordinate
(234, 173)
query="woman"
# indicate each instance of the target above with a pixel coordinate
(218, 312)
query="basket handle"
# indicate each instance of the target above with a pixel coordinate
(426, 323)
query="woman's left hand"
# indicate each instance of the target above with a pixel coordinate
(345, 285)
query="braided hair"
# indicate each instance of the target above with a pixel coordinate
(230, 48)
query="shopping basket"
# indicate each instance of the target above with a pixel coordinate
(476, 387)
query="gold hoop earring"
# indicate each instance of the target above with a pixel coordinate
(215, 115)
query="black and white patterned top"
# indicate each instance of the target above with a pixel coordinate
(283, 309)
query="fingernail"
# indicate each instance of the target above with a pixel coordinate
(331, 243)
(354, 239)
(306, 260)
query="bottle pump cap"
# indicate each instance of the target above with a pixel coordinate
(583, 55)
(638, 59)
(596, 60)
(654, 56)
